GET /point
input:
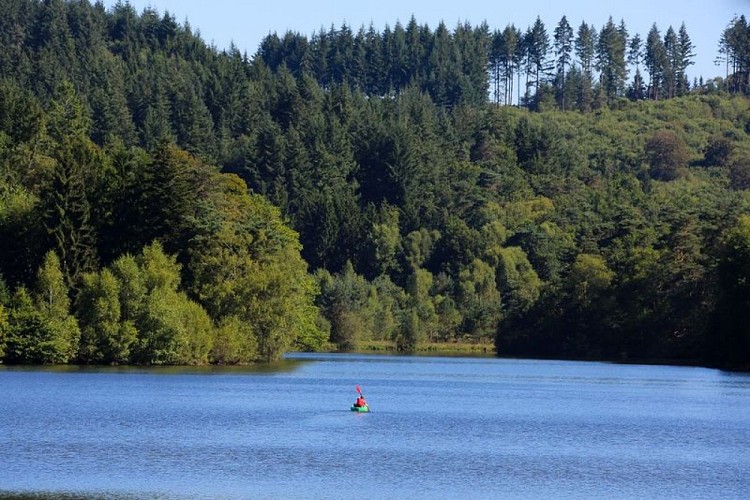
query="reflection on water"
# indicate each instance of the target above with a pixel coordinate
(440, 427)
(285, 365)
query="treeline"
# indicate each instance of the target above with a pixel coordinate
(615, 234)
(581, 68)
(734, 51)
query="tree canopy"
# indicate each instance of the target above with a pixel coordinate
(164, 202)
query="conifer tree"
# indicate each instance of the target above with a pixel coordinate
(538, 46)
(672, 51)
(68, 209)
(585, 49)
(610, 59)
(564, 52)
(635, 55)
(685, 57)
(656, 61)
(511, 55)
(733, 46)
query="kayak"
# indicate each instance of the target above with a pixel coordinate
(361, 409)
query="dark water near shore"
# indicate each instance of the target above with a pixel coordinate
(440, 428)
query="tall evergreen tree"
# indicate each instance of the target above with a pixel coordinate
(656, 61)
(635, 55)
(585, 49)
(510, 57)
(373, 63)
(610, 61)
(671, 47)
(538, 45)
(685, 57)
(563, 51)
(734, 45)
(416, 51)
(68, 210)
(496, 65)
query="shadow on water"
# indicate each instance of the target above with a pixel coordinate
(282, 366)
(51, 495)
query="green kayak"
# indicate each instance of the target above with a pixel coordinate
(361, 409)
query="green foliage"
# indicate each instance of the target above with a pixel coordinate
(385, 303)
(410, 334)
(666, 154)
(590, 277)
(718, 151)
(479, 299)
(171, 328)
(732, 343)
(377, 158)
(66, 197)
(246, 263)
(234, 343)
(610, 55)
(134, 312)
(52, 303)
(344, 301)
(419, 302)
(419, 245)
(27, 340)
(40, 328)
(4, 326)
(518, 283)
(19, 222)
(132, 287)
(386, 242)
(51, 291)
(104, 337)
(733, 47)
(20, 113)
(739, 173)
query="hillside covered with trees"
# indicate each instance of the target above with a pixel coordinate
(163, 202)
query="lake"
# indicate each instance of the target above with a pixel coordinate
(439, 428)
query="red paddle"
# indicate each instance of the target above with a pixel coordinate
(360, 393)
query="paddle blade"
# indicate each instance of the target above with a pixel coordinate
(358, 389)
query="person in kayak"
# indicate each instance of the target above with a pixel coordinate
(360, 403)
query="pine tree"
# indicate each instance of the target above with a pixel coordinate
(416, 50)
(511, 55)
(563, 51)
(373, 83)
(495, 65)
(611, 59)
(735, 48)
(656, 61)
(66, 197)
(635, 54)
(396, 58)
(672, 60)
(585, 49)
(685, 58)
(538, 47)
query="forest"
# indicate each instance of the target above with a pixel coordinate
(563, 195)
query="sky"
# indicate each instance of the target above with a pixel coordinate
(245, 23)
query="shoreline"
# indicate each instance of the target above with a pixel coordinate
(468, 349)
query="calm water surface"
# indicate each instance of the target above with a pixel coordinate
(440, 428)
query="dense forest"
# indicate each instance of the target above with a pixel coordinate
(166, 202)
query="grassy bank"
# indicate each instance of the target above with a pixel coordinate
(432, 348)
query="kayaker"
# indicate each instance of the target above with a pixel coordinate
(361, 403)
